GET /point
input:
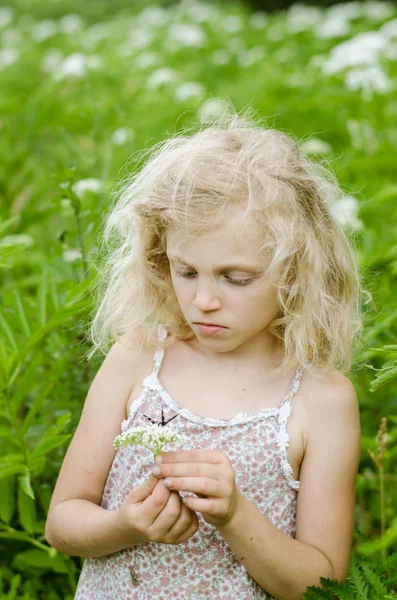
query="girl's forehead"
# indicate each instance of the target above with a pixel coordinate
(233, 237)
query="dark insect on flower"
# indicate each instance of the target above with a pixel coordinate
(163, 421)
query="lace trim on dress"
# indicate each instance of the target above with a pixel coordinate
(283, 438)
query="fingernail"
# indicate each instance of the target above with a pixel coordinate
(167, 482)
(158, 460)
(155, 470)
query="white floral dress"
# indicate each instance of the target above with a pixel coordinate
(203, 567)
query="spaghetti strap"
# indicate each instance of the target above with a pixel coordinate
(159, 354)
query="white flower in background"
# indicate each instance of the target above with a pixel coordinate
(284, 55)
(87, 185)
(43, 30)
(152, 437)
(316, 146)
(139, 38)
(332, 27)
(122, 135)
(77, 65)
(147, 59)
(186, 34)
(301, 17)
(377, 11)
(345, 211)
(391, 52)
(70, 23)
(221, 57)
(8, 57)
(52, 60)
(232, 23)
(188, 89)
(251, 56)
(345, 10)
(211, 108)
(11, 37)
(201, 12)
(258, 20)
(389, 29)
(95, 34)
(5, 16)
(155, 16)
(161, 77)
(369, 79)
(362, 136)
(72, 254)
(18, 239)
(364, 48)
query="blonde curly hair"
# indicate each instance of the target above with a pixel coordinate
(192, 180)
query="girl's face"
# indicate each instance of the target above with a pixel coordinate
(218, 278)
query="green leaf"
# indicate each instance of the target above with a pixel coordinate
(26, 510)
(20, 311)
(36, 406)
(38, 559)
(42, 299)
(356, 577)
(8, 332)
(7, 498)
(12, 470)
(24, 481)
(374, 580)
(49, 445)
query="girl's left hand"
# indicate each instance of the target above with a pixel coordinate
(208, 473)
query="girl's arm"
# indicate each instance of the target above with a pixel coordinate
(76, 523)
(325, 504)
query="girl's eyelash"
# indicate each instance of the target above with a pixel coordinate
(188, 274)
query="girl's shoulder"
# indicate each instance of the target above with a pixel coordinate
(328, 404)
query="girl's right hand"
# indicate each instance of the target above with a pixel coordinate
(152, 513)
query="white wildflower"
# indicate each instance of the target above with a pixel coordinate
(147, 59)
(72, 254)
(188, 89)
(186, 34)
(316, 146)
(389, 29)
(18, 239)
(377, 11)
(301, 17)
(332, 27)
(96, 33)
(211, 108)
(52, 60)
(70, 23)
(43, 30)
(258, 20)
(345, 10)
(160, 77)
(77, 65)
(8, 57)
(87, 185)
(221, 57)
(368, 79)
(345, 211)
(201, 12)
(251, 56)
(236, 45)
(5, 16)
(139, 39)
(364, 48)
(155, 16)
(121, 136)
(232, 23)
(152, 437)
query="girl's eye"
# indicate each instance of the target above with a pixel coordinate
(191, 274)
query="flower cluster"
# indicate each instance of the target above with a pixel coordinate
(152, 437)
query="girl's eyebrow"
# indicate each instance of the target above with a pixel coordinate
(258, 270)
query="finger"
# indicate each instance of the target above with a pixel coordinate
(190, 470)
(198, 485)
(197, 455)
(185, 527)
(155, 503)
(169, 515)
(144, 490)
(203, 505)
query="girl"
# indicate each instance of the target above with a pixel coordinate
(225, 268)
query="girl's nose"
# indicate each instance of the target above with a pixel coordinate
(207, 298)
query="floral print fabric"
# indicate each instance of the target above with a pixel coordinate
(203, 567)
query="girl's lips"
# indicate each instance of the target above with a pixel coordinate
(209, 329)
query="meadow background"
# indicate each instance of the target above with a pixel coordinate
(84, 88)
